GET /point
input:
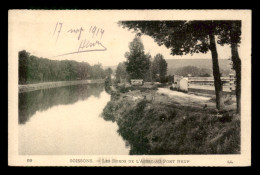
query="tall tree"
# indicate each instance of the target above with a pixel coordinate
(97, 71)
(159, 67)
(121, 73)
(138, 62)
(23, 62)
(148, 74)
(108, 72)
(230, 33)
(184, 37)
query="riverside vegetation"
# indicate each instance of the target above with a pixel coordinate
(155, 120)
(33, 69)
(156, 124)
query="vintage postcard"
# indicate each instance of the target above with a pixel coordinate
(129, 88)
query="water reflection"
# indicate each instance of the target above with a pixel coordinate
(41, 100)
(67, 121)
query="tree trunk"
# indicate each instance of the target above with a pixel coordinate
(237, 66)
(216, 72)
(236, 62)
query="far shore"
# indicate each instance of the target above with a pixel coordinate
(46, 85)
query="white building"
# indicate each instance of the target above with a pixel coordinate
(176, 82)
(136, 81)
(184, 84)
(177, 78)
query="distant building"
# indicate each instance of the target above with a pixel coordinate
(177, 78)
(137, 82)
(208, 81)
(184, 84)
(176, 81)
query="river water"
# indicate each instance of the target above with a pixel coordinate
(67, 121)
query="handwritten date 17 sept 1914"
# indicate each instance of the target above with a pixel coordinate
(85, 45)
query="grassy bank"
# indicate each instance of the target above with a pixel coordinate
(155, 123)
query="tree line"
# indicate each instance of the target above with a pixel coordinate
(140, 65)
(35, 70)
(193, 71)
(196, 71)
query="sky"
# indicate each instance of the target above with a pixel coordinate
(46, 35)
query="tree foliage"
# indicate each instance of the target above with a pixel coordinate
(108, 71)
(34, 70)
(121, 73)
(159, 68)
(229, 32)
(138, 62)
(184, 37)
(193, 71)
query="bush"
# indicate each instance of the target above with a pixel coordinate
(227, 99)
(115, 96)
(108, 112)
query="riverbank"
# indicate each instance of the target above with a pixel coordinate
(155, 121)
(47, 85)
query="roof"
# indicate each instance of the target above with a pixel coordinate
(136, 79)
(185, 79)
(206, 78)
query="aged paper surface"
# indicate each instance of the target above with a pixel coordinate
(63, 126)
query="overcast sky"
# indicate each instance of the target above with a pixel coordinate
(37, 35)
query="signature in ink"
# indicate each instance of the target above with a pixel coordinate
(87, 46)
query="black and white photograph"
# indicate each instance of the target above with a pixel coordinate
(129, 87)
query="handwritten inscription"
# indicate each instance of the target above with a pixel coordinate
(96, 31)
(77, 31)
(57, 27)
(87, 44)
(81, 34)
